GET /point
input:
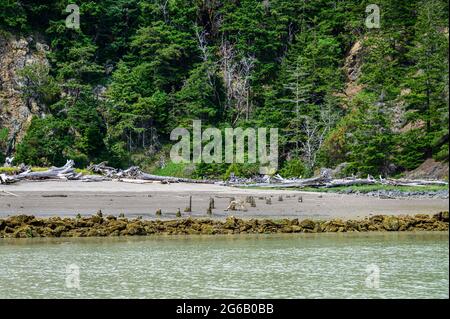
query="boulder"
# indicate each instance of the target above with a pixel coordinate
(442, 216)
(335, 225)
(308, 224)
(391, 223)
(230, 223)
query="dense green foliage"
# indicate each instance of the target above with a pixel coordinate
(271, 63)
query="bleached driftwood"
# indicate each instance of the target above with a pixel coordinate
(65, 172)
(103, 169)
(94, 178)
(102, 173)
(413, 182)
(135, 181)
(327, 182)
(134, 174)
(278, 181)
(55, 172)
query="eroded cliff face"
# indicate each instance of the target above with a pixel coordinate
(16, 112)
(352, 69)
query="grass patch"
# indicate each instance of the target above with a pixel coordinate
(8, 170)
(176, 170)
(15, 170)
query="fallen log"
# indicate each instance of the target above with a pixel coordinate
(350, 182)
(94, 178)
(326, 182)
(171, 179)
(411, 182)
(6, 179)
(318, 181)
(54, 172)
(106, 173)
(136, 173)
(102, 169)
(103, 173)
(134, 181)
(54, 195)
(65, 172)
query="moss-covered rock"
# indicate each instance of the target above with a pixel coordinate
(442, 216)
(25, 231)
(391, 223)
(307, 224)
(134, 229)
(28, 226)
(59, 230)
(333, 226)
(96, 219)
(352, 225)
(230, 223)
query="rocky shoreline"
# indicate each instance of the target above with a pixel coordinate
(393, 194)
(24, 226)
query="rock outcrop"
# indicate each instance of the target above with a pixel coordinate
(352, 69)
(24, 226)
(430, 169)
(15, 111)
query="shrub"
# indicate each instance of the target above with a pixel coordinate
(293, 168)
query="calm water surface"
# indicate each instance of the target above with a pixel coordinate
(411, 265)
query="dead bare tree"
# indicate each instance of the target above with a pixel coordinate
(247, 64)
(202, 43)
(164, 10)
(315, 131)
(227, 66)
(210, 64)
(237, 78)
(310, 129)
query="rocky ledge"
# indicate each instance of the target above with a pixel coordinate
(23, 226)
(393, 194)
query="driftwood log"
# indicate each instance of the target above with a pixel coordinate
(326, 181)
(65, 172)
(103, 169)
(102, 172)
(135, 172)
(413, 182)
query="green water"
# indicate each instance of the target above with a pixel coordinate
(411, 265)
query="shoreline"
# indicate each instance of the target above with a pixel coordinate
(69, 198)
(28, 226)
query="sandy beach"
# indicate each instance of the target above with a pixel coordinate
(69, 198)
